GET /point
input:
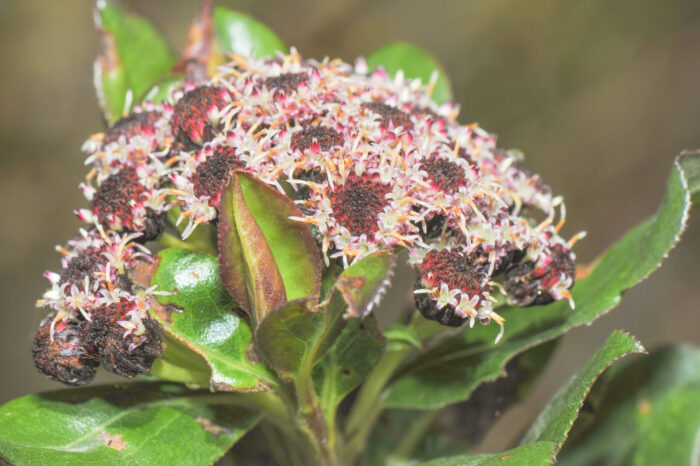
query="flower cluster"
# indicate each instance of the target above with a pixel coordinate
(373, 163)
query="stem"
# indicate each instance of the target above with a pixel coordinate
(171, 241)
(408, 442)
(312, 420)
(367, 406)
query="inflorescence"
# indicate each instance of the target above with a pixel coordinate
(374, 163)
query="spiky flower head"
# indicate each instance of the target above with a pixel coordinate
(373, 163)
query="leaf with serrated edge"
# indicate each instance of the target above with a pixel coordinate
(415, 63)
(554, 422)
(144, 423)
(240, 34)
(364, 283)
(199, 314)
(450, 372)
(533, 454)
(647, 411)
(133, 57)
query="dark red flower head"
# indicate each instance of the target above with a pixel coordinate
(130, 355)
(131, 125)
(532, 283)
(214, 174)
(358, 203)
(66, 357)
(196, 116)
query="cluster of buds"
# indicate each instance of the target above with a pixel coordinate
(373, 163)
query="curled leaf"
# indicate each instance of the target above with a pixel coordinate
(266, 259)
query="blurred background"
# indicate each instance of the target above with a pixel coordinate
(600, 96)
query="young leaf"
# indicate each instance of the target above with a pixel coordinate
(351, 358)
(363, 283)
(554, 422)
(199, 314)
(139, 423)
(649, 413)
(240, 34)
(266, 258)
(415, 63)
(450, 371)
(295, 336)
(133, 57)
(533, 454)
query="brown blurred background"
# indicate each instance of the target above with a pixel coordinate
(599, 95)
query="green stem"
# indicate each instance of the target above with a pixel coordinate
(312, 420)
(171, 241)
(409, 440)
(367, 406)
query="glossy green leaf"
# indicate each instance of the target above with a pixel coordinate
(450, 372)
(240, 34)
(200, 315)
(351, 358)
(533, 454)
(266, 258)
(554, 422)
(139, 423)
(133, 56)
(363, 283)
(415, 63)
(646, 412)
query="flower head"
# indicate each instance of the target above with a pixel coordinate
(373, 163)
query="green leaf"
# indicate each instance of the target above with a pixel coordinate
(647, 413)
(266, 258)
(450, 372)
(455, 429)
(199, 314)
(415, 63)
(401, 336)
(354, 354)
(363, 283)
(295, 336)
(533, 454)
(240, 34)
(161, 91)
(555, 421)
(139, 423)
(133, 56)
